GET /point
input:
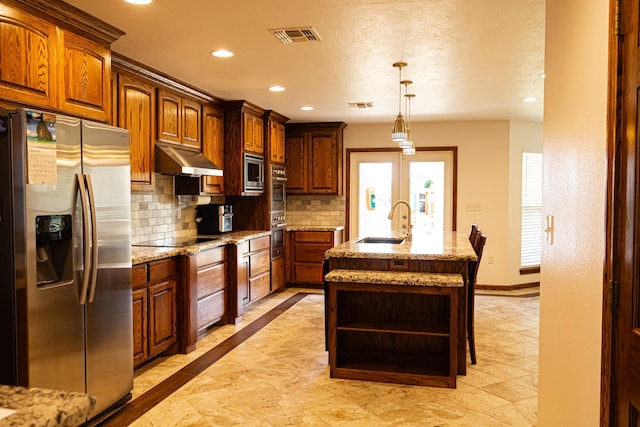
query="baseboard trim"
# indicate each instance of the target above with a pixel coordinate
(507, 287)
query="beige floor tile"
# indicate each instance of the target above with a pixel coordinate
(280, 376)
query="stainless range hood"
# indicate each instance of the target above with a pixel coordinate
(173, 159)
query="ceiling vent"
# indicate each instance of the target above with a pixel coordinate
(360, 105)
(296, 35)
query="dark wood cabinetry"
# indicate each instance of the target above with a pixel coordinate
(136, 112)
(28, 49)
(243, 133)
(393, 333)
(276, 137)
(305, 254)
(154, 308)
(211, 286)
(46, 63)
(179, 119)
(84, 78)
(314, 158)
(213, 147)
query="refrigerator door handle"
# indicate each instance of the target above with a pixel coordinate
(94, 241)
(86, 231)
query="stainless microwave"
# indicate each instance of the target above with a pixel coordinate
(253, 172)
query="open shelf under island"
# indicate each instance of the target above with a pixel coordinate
(397, 312)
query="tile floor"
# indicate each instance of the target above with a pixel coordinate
(280, 376)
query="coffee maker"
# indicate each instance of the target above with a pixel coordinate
(214, 219)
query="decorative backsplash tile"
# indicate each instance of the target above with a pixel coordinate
(162, 214)
(315, 210)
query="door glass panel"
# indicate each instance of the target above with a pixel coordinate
(374, 201)
(426, 196)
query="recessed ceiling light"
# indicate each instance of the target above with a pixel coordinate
(276, 89)
(221, 53)
(138, 1)
(529, 99)
(543, 75)
(306, 108)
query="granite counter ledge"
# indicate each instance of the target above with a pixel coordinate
(314, 227)
(141, 254)
(42, 407)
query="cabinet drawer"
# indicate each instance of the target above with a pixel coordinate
(314, 237)
(259, 286)
(211, 279)
(210, 256)
(211, 309)
(139, 275)
(308, 273)
(309, 253)
(161, 269)
(259, 263)
(259, 243)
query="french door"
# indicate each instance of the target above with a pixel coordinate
(425, 180)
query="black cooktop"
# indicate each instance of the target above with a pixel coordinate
(176, 243)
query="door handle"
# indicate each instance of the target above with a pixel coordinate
(94, 240)
(86, 255)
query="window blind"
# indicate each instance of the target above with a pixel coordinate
(531, 232)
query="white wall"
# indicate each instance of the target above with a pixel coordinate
(484, 162)
(574, 151)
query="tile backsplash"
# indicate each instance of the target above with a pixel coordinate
(162, 214)
(315, 210)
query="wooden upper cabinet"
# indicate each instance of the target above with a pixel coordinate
(296, 163)
(179, 119)
(253, 133)
(84, 78)
(276, 137)
(213, 147)
(314, 158)
(169, 112)
(137, 101)
(191, 117)
(28, 47)
(324, 162)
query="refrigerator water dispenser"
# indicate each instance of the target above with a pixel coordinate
(53, 250)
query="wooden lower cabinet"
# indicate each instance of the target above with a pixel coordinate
(277, 273)
(305, 254)
(154, 308)
(212, 286)
(250, 274)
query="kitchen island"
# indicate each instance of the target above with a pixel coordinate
(417, 288)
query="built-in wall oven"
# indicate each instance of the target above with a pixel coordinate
(278, 223)
(278, 188)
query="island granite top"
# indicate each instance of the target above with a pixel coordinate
(445, 246)
(43, 407)
(141, 253)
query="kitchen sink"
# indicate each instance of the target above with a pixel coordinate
(388, 240)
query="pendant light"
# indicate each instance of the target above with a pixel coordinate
(399, 131)
(406, 143)
(408, 148)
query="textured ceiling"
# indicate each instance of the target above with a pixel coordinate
(468, 59)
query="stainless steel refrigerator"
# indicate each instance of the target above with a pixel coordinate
(65, 256)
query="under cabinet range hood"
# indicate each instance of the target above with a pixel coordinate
(172, 159)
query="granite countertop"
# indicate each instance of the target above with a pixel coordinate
(140, 254)
(314, 227)
(442, 280)
(38, 407)
(447, 246)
